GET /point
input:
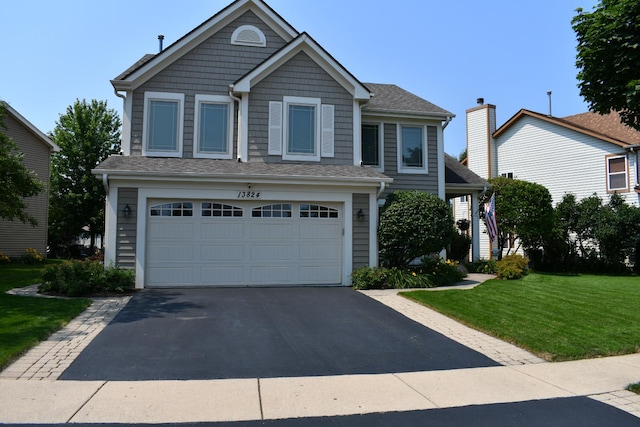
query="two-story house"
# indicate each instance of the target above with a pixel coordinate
(582, 154)
(252, 157)
(15, 236)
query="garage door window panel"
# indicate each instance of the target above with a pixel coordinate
(273, 211)
(212, 209)
(317, 211)
(172, 209)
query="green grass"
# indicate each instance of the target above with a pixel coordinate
(557, 317)
(25, 321)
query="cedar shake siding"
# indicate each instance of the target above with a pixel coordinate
(16, 237)
(360, 231)
(302, 77)
(208, 69)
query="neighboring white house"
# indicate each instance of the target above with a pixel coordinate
(582, 154)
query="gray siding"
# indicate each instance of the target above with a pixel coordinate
(127, 231)
(208, 69)
(361, 231)
(301, 76)
(402, 181)
(16, 237)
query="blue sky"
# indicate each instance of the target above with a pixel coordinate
(450, 53)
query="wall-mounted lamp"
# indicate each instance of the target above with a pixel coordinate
(360, 215)
(126, 211)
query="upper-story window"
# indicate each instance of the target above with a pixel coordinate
(301, 129)
(412, 149)
(213, 124)
(372, 153)
(617, 178)
(163, 116)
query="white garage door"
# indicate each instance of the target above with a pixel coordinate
(221, 243)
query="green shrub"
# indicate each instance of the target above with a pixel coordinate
(4, 259)
(85, 278)
(370, 278)
(459, 249)
(403, 279)
(388, 278)
(32, 256)
(442, 273)
(634, 388)
(484, 266)
(512, 267)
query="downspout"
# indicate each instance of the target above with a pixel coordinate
(105, 182)
(446, 122)
(383, 186)
(239, 101)
(118, 94)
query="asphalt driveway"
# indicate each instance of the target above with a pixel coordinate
(199, 334)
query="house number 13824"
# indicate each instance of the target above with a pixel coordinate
(248, 194)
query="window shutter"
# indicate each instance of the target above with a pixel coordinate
(327, 131)
(275, 128)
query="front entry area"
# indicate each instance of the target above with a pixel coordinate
(203, 243)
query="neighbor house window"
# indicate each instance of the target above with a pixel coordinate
(163, 116)
(412, 153)
(301, 129)
(372, 145)
(213, 126)
(617, 173)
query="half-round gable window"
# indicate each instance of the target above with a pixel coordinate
(248, 35)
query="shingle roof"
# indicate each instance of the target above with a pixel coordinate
(146, 58)
(608, 124)
(457, 173)
(209, 168)
(391, 98)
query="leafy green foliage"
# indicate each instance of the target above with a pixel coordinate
(459, 247)
(512, 267)
(16, 181)
(557, 317)
(635, 388)
(87, 134)
(388, 278)
(607, 58)
(591, 236)
(413, 224)
(442, 273)
(523, 211)
(484, 266)
(85, 278)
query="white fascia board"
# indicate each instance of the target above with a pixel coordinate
(307, 45)
(203, 32)
(273, 179)
(377, 113)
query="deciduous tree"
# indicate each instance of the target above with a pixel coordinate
(608, 54)
(87, 134)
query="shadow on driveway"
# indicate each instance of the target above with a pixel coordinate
(263, 333)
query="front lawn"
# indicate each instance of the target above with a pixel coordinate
(557, 317)
(25, 321)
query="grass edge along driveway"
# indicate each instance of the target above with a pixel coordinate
(556, 317)
(25, 321)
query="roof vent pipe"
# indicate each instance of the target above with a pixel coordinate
(480, 101)
(160, 40)
(549, 95)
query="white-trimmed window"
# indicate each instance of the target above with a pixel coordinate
(617, 173)
(283, 210)
(213, 127)
(372, 143)
(163, 124)
(412, 149)
(172, 209)
(212, 209)
(317, 211)
(301, 129)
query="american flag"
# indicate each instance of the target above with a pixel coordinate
(490, 217)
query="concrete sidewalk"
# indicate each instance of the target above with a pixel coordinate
(29, 392)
